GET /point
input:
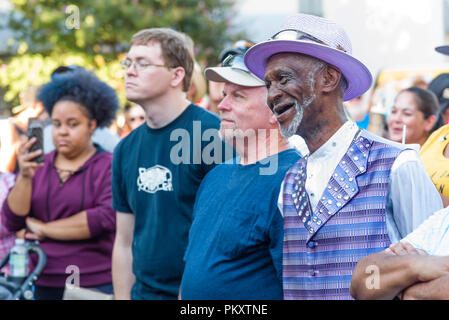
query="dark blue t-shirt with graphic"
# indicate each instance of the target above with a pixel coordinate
(155, 176)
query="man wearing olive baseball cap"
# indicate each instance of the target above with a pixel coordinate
(235, 242)
(355, 193)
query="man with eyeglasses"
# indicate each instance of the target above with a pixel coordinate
(235, 242)
(355, 193)
(153, 191)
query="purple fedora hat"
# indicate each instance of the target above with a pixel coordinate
(316, 37)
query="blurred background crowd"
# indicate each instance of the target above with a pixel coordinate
(36, 37)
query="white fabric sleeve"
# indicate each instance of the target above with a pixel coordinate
(432, 235)
(412, 197)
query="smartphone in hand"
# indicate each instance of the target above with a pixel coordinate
(35, 129)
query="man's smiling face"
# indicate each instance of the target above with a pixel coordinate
(290, 80)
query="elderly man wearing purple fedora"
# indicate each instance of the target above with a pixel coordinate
(355, 193)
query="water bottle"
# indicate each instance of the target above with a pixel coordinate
(18, 260)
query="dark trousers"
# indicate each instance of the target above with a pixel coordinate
(47, 293)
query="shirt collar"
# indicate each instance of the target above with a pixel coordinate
(339, 141)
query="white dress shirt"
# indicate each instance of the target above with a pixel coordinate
(411, 197)
(299, 144)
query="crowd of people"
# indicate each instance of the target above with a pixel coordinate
(264, 188)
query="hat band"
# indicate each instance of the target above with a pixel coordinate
(294, 35)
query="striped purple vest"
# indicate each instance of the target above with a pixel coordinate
(322, 247)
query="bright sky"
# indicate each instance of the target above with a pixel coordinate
(265, 7)
(5, 5)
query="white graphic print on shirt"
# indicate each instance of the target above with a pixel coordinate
(154, 179)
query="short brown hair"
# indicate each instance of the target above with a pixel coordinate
(175, 47)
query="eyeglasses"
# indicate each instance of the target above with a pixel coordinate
(140, 64)
(235, 61)
(291, 34)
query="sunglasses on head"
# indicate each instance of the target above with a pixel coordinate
(291, 34)
(235, 61)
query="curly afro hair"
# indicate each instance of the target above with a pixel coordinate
(85, 88)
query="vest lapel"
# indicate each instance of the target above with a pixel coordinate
(342, 186)
(299, 195)
(340, 190)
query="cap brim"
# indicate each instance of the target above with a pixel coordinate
(357, 75)
(233, 75)
(442, 50)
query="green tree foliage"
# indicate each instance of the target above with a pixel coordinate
(95, 34)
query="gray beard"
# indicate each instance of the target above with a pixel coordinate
(297, 119)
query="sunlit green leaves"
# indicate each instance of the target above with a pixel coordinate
(94, 34)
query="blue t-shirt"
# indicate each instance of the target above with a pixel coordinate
(156, 179)
(235, 242)
(364, 123)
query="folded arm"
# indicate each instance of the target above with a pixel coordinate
(72, 228)
(437, 289)
(396, 269)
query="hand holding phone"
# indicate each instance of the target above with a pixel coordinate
(36, 130)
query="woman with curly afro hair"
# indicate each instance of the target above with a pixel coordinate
(65, 202)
